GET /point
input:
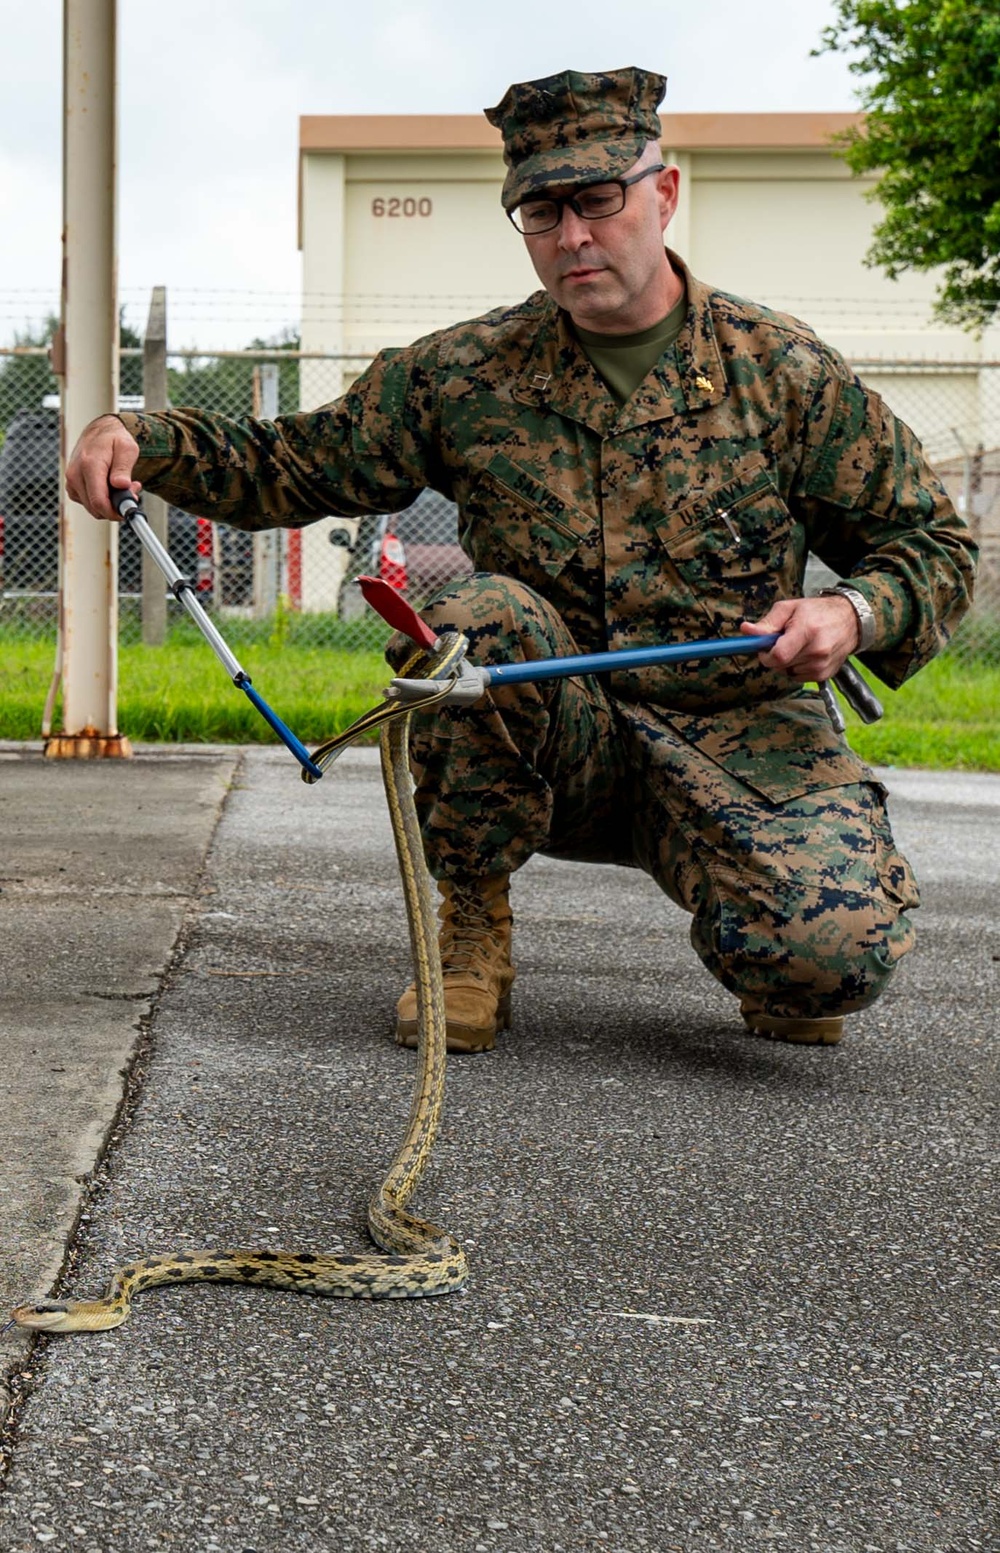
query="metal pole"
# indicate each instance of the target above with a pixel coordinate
(265, 543)
(88, 591)
(154, 397)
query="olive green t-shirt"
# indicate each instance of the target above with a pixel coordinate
(623, 360)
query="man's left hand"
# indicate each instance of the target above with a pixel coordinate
(817, 637)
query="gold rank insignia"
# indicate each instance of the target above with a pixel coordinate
(703, 383)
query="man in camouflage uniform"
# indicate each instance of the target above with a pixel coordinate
(637, 458)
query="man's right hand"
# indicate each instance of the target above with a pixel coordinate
(105, 455)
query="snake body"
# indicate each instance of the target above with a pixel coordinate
(419, 1258)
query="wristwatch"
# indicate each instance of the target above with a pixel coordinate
(863, 610)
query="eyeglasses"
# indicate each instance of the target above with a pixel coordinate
(592, 202)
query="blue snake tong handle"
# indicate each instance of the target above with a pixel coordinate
(470, 682)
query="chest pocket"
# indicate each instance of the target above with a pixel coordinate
(737, 547)
(516, 525)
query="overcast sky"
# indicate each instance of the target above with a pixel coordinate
(210, 97)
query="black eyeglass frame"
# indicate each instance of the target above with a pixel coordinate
(572, 200)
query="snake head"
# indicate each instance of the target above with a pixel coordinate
(45, 1316)
(70, 1315)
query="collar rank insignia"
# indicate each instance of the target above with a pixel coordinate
(541, 380)
(704, 383)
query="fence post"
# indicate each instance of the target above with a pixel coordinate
(266, 545)
(154, 397)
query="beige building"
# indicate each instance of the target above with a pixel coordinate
(402, 231)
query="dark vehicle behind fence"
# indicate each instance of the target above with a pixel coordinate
(416, 551)
(29, 524)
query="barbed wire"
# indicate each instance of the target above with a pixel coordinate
(236, 305)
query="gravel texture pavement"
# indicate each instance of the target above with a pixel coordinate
(725, 1293)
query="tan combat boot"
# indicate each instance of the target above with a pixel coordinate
(475, 958)
(802, 1032)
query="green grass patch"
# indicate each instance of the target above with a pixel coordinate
(945, 718)
(181, 694)
(317, 691)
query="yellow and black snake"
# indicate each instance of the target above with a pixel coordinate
(419, 1258)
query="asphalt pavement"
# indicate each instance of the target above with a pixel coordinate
(725, 1293)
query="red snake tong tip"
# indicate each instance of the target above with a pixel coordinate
(393, 608)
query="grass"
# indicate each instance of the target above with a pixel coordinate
(945, 718)
(181, 694)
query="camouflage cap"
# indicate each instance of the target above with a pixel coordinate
(575, 128)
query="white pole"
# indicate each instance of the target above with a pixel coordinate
(266, 544)
(88, 583)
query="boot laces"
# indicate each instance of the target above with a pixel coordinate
(470, 934)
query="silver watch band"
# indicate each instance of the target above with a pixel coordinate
(863, 610)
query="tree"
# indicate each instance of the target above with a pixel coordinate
(225, 383)
(215, 383)
(26, 380)
(930, 89)
(129, 367)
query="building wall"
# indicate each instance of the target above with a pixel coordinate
(402, 232)
(408, 236)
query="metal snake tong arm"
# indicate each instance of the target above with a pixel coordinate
(183, 590)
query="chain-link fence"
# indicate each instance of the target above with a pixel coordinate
(308, 577)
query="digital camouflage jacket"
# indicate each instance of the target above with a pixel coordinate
(690, 508)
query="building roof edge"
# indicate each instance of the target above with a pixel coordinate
(471, 132)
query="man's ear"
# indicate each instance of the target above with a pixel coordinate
(668, 185)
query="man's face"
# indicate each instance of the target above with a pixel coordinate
(612, 275)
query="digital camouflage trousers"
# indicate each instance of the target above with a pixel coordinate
(798, 906)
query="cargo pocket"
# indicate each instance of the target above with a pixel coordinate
(799, 950)
(895, 876)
